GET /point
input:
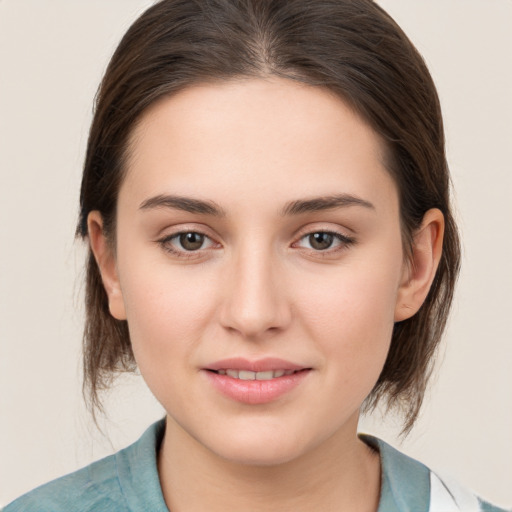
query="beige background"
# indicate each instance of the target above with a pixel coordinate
(52, 55)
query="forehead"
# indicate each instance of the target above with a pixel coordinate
(251, 137)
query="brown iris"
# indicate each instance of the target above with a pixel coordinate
(191, 241)
(321, 241)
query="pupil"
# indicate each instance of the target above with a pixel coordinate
(321, 241)
(191, 241)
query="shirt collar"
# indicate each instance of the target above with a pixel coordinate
(405, 482)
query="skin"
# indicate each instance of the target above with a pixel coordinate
(259, 287)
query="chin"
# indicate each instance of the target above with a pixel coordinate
(260, 448)
(262, 454)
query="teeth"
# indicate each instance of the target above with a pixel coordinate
(248, 375)
(265, 375)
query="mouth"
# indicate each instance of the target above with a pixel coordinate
(250, 375)
(256, 382)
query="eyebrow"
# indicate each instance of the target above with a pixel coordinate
(187, 204)
(297, 207)
(317, 204)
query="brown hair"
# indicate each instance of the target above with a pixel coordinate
(351, 47)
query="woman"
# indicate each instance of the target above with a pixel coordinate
(265, 195)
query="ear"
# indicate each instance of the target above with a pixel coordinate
(420, 269)
(105, 258)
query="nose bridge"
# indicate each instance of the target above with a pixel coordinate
(254, 303)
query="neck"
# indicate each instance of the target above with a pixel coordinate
(340, 474)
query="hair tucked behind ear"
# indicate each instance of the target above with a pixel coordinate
(351, 47)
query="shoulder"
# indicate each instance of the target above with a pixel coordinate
(407, 484)
(95, 487)
(124, 481)
(446, 491)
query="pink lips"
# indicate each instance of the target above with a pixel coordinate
(262, 365)
(255, 392)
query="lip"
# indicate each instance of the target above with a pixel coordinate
(255, 392)
(260, 365)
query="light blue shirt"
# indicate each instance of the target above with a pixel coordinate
(128, 481)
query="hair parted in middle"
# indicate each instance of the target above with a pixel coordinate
(350, 47)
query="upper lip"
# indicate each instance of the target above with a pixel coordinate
(259, 365)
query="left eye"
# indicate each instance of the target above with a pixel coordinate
(323, 240)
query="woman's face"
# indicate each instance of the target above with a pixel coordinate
(258, 237)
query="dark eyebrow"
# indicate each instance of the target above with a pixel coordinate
(317, 204)
(297, 207)
(186, 204)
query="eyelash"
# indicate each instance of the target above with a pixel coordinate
(344, 242)
(165, 243)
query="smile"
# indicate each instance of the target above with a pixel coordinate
(249, 375)
(256, 382)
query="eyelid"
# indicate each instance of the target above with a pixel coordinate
(344, 240)
(323, 227)
(165, 242)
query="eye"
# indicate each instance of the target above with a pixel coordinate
(324, 240)
(186, 242)
(190, 241)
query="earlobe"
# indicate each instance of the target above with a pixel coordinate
(106, 261)
(420, 270)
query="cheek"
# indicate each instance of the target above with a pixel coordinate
(352, 316)
(167, 310)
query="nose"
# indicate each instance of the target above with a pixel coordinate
(254, 300)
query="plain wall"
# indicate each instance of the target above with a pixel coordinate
(52, 55)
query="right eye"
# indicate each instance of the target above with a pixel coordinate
(185, 242)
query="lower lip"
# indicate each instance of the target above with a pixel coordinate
(255, 392)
